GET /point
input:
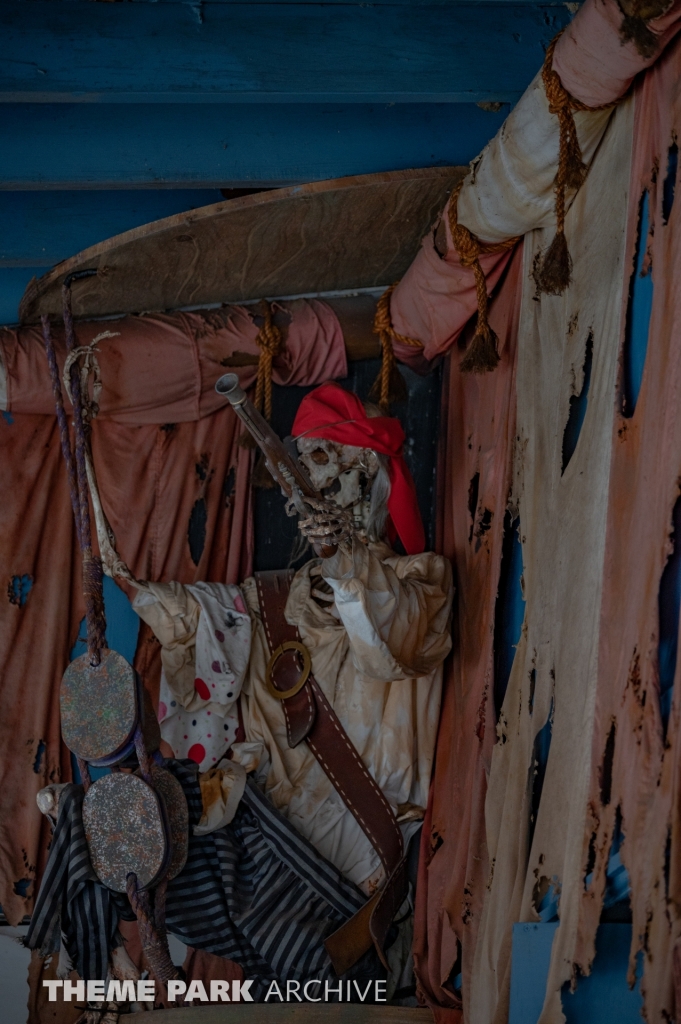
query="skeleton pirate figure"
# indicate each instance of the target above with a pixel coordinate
(298, 713)
(323, 685)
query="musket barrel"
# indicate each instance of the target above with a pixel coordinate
(228, 386)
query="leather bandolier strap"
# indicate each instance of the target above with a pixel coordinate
(309, 717)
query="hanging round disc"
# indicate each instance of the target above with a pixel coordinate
(99, 707)
(177, 813)
(126, 831)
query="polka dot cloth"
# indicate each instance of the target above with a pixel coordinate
(201, 735)
(223, 646)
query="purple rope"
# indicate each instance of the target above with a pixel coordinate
(62, 422)
(92, 566)
(70, 469)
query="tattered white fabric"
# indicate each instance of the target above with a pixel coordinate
(509, 190)
(510, 187)
(377, 654)
(563, 511)
(205, 633)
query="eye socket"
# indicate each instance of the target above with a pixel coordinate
(320, 457)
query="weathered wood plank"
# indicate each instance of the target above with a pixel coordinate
(73, 146)
(140, 53)
(287, 1013)
(352, 233)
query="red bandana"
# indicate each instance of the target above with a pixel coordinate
(336, 415)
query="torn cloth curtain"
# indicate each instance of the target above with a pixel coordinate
(597, 509)
(175, 486)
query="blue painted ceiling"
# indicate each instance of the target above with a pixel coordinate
(115, 114)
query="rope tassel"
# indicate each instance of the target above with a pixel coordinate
(553, 268)
(270, 341)
(482, 354)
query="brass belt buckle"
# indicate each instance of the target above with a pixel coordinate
(289, 645)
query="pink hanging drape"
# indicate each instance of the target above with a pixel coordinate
(162, 443)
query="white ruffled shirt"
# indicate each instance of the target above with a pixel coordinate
(377, 652)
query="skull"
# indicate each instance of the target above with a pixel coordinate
(341, 472)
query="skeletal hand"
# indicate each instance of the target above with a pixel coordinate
(327, 523)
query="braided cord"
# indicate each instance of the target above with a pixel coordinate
(270, 341)
(62, 422)
(383, 327)
(92, 565)
(482, 354)
(554, 270)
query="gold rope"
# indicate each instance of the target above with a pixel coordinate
(481, 355)
(270, 341)
(386, 387)
(553, 270)
(552, 274)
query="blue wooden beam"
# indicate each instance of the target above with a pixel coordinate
(275, 53)
(43, 228)
(197, 6)
(13, 281)
(71, 146)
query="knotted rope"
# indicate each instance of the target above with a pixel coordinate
(82, 362)
(553, 268)
(92, 565)
(62, 422)
(389, 385)
(270, 341)
(481, 355)
(77, 477)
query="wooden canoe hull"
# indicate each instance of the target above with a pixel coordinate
(350, 233)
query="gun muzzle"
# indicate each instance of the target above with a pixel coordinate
(228, 386)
